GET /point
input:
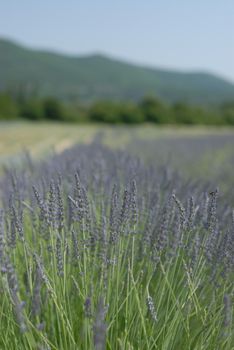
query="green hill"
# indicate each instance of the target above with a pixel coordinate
(99, 77)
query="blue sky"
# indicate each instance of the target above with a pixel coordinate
(177, 34)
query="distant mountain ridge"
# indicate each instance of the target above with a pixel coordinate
(92, 77)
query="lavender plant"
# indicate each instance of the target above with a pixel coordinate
(99, 250)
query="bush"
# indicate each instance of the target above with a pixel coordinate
(130, 114)
(112, 258)
(155, 111)
(52, 109)
(32, 110)
(104, 111)
(8, 107)
(150, 109)
(183, 114)
(227, 111)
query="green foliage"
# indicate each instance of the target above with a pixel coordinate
(32, 110)
(8, 107)
(75, 113)
(182, 114)
(97, 77)
(52, 109)
(104, 111)
(112, 112)
(182, 318)
(77, 274)
(130, 114)
(149, 109)
(228, 112)
(155, 111)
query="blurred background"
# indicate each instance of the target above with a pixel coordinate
(71, 68)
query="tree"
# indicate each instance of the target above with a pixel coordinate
(227, 110)
(32, 110)
(130, 114)
(8, 107)
(52, 109)
(154, 110)
(183, 113)
(104, 111)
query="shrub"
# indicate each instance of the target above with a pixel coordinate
(98, 250)
(52, 109)
(8, 107)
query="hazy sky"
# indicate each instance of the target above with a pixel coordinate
(181, 34)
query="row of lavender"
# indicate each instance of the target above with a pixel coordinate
(77, 226)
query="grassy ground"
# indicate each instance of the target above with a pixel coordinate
(175, 145)
(201, 152)
(41, 137)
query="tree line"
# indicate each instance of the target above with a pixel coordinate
(149, 109)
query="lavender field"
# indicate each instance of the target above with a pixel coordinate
(120, 239)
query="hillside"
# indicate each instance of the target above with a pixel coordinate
(99, 77)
